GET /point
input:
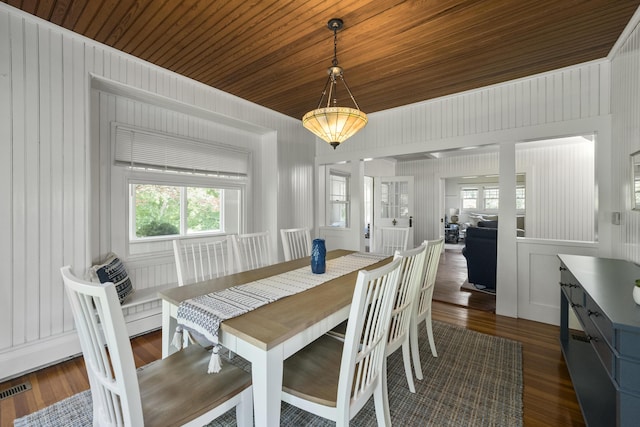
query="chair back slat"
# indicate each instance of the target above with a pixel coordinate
(391, 239)
(252, 250)
(107, 351)
(296, 243)
(365, 338)
(425, 293)
(411, 275)
(199, 259)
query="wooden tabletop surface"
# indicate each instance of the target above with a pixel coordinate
(273, 323)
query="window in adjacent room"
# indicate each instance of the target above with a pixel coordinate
(469, 198)
(491, 198)
(520, 197)
(338, 199)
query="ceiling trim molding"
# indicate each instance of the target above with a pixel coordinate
(120, 89)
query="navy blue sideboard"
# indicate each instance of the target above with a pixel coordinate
(604, 361)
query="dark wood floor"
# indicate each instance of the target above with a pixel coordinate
(548, 396)
(452, 274)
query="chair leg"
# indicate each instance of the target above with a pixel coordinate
(406, 357)
(415, 349)
(381, 398)
(244, 409)
(432, 343)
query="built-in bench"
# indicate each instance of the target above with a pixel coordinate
(143, 308)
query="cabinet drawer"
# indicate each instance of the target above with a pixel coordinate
(597, 340)
(601, 321)
(605, 353)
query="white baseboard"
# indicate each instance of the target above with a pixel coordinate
(40, 354)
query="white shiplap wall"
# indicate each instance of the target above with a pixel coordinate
(484, 115)
(560, 188)
(625, 108)
(46, 162)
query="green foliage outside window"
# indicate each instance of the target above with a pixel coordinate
(203, 209)
(158, 209)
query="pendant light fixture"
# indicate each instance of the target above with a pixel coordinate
(334, 123)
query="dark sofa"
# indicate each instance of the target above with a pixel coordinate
(481, 252)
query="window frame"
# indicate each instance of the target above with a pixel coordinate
(465, 188)
(154, 177)
(183, 226)
(488, 189)
(346, 204)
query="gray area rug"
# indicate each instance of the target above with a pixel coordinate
(476, 380)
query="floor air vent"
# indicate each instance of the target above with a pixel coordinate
(11, 391)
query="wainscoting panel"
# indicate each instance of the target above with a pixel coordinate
(538, 276)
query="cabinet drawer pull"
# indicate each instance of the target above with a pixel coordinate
(563, 268)
(594, 339)
(569, 285)
(574, 305)
(592, 313)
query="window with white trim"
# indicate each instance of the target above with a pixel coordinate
(469, 198)
(339, 199)
(491, 198)
(179, 186)
(171, 210)
(520, 197)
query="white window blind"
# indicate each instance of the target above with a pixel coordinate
(149, 149)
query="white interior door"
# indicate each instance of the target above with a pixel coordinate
(393, 204)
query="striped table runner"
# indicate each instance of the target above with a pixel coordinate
(202, 315)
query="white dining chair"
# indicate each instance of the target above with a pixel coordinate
(296, 243)
(411, 274)
(172, 391)
(335, 379)
(252, 250)
(391, 239)
(422, 307)
(204, 258)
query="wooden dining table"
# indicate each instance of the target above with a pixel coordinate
(269, 334)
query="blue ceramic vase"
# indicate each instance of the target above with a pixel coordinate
(318, 256)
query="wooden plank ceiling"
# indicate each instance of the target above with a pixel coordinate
(276, 52)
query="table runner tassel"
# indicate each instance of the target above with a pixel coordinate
(215, 364)
(177, 338)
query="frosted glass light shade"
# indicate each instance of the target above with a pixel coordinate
(334, 124)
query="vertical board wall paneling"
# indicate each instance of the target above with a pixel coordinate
(56, 251)
(574, 93)
(45, 175)
(625, 106)
(31, 173)
(18, 179)
(561, 199)
(6, 182)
